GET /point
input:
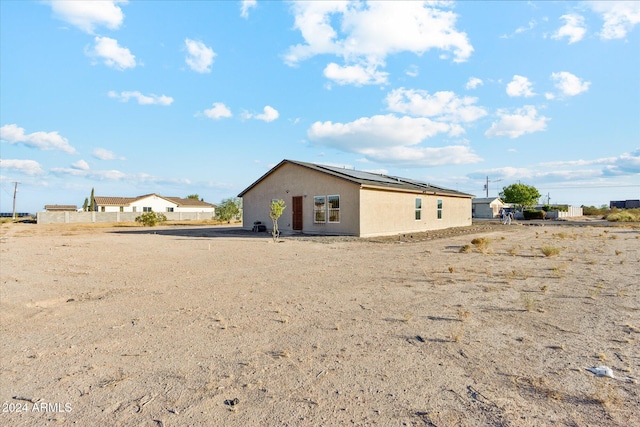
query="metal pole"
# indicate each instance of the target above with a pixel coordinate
(15, 190)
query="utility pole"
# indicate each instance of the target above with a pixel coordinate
(15, 191)
(486, 186)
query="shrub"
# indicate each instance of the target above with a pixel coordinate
(150, 219)
(593, 211)
(533, 214)
(550, 250)
(627, 215)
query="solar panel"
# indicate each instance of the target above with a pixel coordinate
(369, 176)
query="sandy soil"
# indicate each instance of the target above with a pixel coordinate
(204, 326)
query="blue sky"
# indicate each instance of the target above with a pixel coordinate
(204, 97)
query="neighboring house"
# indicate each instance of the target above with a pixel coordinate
(60, 208)
(487, 207)
(151, 203)
(330, 200)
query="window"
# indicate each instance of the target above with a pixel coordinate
(439, 208)
(319, 209)
(147, 209)
(418, 208)
(134, 209)
(169, 209)
(121, 208)
(102, 209)
(334, 208)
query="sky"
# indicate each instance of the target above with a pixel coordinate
(204, 97)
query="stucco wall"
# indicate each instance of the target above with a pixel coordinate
(291, 180)
(108, 217)
(390, 212)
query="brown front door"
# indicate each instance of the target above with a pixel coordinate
(296, 212)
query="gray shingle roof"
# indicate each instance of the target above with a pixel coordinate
(368, 179)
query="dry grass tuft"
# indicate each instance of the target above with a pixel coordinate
(465, 249)
(550, 250)
(456, 333)
(528, 301)
(463, 314)
(451, 269)
(407, 317)
(482, 244)
(604, 393)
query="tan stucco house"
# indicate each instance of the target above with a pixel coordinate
(331, 200)
(151, 203)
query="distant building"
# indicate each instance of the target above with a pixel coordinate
(151, 203)
(487, 207)
(625, 204)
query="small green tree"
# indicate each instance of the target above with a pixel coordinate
(275, 211)
(85, 206)
(193, 196)
(520, 194)
(92, 202)
(227, 210)
(150, 219)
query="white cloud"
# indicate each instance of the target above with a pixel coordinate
(356, 75)
(151, 99)
(270, 114)
(28, 167)
(81, 165)
(443, 106)
(87, 15)
(522, 29)
(104, 154)
(370, 31)
(520, 86)
(569, 84)
(199, 56)
(524, 120)
(40, 140)
(246, 5)
(109, 175)
(619, 17)
(574, 28)
(218, 111)
(112, 54)
(412, 71)
(626, 164)
(473, 83)
(392, 139)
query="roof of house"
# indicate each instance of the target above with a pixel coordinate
(60, 207)
(367, 179)
(125, 201)
(485, 199)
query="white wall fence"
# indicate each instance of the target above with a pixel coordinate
(107, 217)
(571, 212)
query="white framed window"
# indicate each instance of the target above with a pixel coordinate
(418, 209)
(333, 205)
(147, 209)
(169, 209)
(439, 208)
(319, 209)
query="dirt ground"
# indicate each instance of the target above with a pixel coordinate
(205, 326)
